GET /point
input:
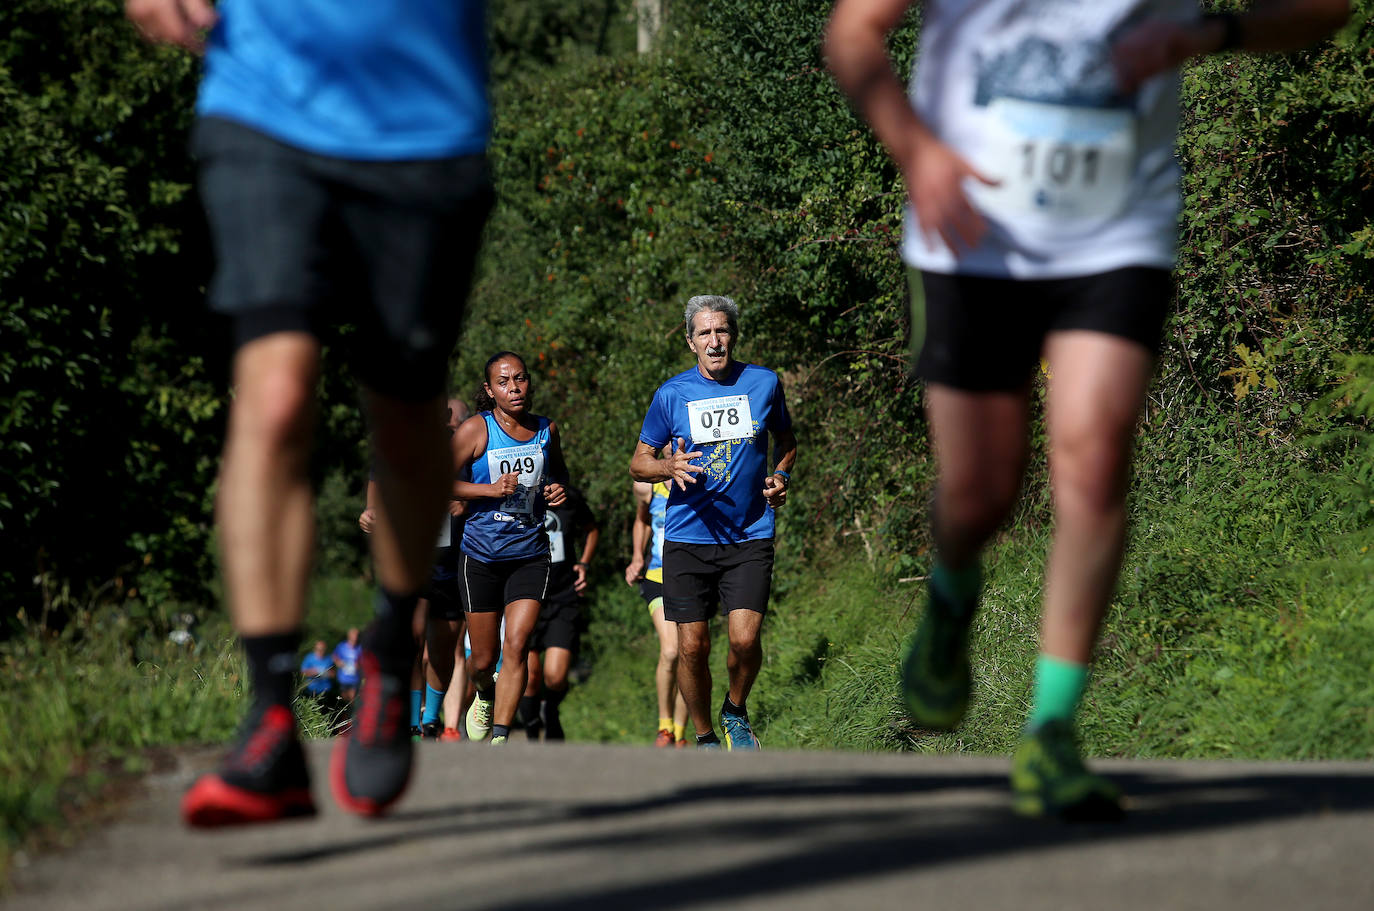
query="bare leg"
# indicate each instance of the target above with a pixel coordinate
(557, 662)
(520, 619)
(1096, 392)
(265, 507)
(484, 630)
(665, 674)
(980, 451)
(746, 652)
(694, 672)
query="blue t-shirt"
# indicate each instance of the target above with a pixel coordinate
(511, 528)
(318, 683)
(346, 657)
(380, 80)
(729, 423)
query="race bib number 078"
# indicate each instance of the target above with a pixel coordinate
(725, 418)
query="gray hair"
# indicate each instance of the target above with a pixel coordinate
(711, 303)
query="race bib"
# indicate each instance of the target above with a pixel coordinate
(724, 418)
(557, 550)
(1056, 161)
(528, 459)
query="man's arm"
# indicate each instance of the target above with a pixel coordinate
(367, 520)
(639, 532)
(785, 452)
(676, 467)
(1158, 46)
(855, 50)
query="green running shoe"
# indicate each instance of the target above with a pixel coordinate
(498, 740)
(935, 671)
(479, 718)
(1048, 779)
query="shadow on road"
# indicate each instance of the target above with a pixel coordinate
(838, 827)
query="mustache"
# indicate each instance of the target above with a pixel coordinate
(718, 351)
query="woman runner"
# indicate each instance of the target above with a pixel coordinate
(510, 455)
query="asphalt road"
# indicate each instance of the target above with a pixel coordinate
(582, 826)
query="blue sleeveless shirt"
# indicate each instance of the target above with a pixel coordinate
(511, 528)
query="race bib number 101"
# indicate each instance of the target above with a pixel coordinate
(725, 418)
(528, 460)
(1057, 161)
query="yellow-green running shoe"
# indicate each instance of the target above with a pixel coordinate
(1048, 779)
(498, 740)
(935, 671)
(479, 718)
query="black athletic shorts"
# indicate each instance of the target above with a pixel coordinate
(489, 587)
(304, 241)
(985, 334)
(559, 625)
(649, 590)
(700, 578)
(445, 601)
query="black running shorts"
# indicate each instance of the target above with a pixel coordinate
(559, 625)
(445, 601)
(306, 242)
(985, 334)
(489, 587)
(650, 590)
(698, 579)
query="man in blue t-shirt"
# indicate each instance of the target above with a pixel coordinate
(341, 152)
(318, 670)
(714, 422)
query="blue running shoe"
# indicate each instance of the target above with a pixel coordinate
(738, 734)
(709, 745)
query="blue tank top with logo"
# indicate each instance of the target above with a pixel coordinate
(658, 513)
(509, 528)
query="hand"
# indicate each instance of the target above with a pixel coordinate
(634, 572)
(934, 175)
(555, 494)
(506, 485)
(1156, 46)
(679, 464)
(579, 577)
(457, 507)
(180, 22)
(367, 521)
(774, 490)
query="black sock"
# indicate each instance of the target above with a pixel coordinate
(500, 730)
(728, 707)
(272, 662)
(487, 694)
(390, 635)
(708, 737)
(553, 724)
(529, 711)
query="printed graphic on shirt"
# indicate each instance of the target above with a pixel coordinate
(528, 460)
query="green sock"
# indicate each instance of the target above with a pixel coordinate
(1058, 688)
(958, 586)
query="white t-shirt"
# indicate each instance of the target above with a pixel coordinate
(1025, 91)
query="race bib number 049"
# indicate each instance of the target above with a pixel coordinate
(529, 461)
(725, 418)
(1057, 161)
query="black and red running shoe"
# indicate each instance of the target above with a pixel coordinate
(370, 766)
(263, 778)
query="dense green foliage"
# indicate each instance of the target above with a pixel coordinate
(724, 162)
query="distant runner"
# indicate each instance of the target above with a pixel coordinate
(651, 507)
(1037, 147)
(714, 421)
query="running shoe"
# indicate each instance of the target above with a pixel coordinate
(935, 671)
(479, 718)
(499, 740)
(450, 735)
(263, 778)
(1048, 779)
(416, 733)
(681, 744)
(664, 739)
(430, 730)
(738, 734)
(371, 766)
(709, 745)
